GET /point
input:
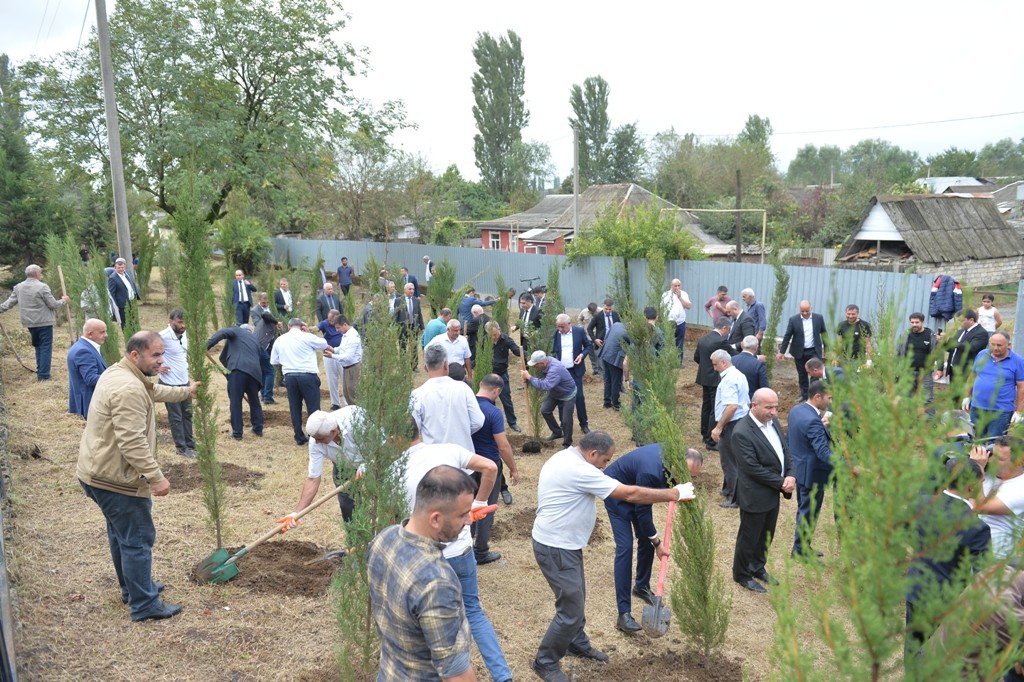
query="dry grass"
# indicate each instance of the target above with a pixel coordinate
(72, 625)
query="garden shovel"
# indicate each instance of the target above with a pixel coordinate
(656, 617)
(220, 566)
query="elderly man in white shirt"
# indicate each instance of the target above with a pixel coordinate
(296, 351)
(457, 351)
(348, 355)
(732, 403)
(677, 302)
(567, 491)
(445, 410)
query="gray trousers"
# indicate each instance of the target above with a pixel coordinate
(350, 379)
(179, 415)
(563, 569)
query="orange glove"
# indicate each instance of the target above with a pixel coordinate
(480, 512)
(290, 521)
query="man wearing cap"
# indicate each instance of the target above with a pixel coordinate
(296, 351)
(560, 392)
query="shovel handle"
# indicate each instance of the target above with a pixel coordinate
(664, 560)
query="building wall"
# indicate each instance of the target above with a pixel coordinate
(981, 273)
(556, 248)
(503, 236)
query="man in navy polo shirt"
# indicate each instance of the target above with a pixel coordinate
(491, 442)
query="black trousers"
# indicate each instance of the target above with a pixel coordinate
(581, 402)
(302, 387)
(756, 530)
(801, 369)
(242, 385)
(707, 412)
(506, 399)
(482, 529)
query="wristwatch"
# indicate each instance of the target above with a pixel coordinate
(656, 541)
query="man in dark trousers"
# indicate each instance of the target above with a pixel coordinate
(570, 345)
(751, 365)
(241, 355)
(345, 273)
(122, 288)
(707, 377)
(642, 467)
(811, 447)
(804, 339)
(326, 301)
(405, 277)
(964, 347)
(765, 470)
(743, 324)
(613, 359)
(529, 322)
(599, 325)
(241, 297)
(409, 316)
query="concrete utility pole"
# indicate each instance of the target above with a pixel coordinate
(124, 237)
(575, 181)
(739, 222)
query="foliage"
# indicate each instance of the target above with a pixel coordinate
(442, 284)
(247, 91)
(450, 232)
(500, 311)
(227, 309)
(197, 301)
(814, 165)
(483, 362)
(1002, 158)
(779, 296)
(627, 154)
(384, 387)
(168, 259)
(62, 251)
(371, 274)
(500, 108)
(634, 234)
(242, 236)
(430, 199)
(954, 162)
(589, 104)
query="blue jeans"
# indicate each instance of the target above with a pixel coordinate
(42, 340)
(268, 375)
(483, 632)
(990, 423)
(131, 534)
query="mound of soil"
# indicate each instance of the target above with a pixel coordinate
(282, 568)
(671, 665)
(516, 440)
(184, 476)
(518, 525)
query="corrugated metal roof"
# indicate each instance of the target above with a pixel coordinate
(540, 216)
(944, 228)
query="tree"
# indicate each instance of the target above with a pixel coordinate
(626, 155)
(757, 134)
(1004, 157)
(241, 236)
(589, 104)
(634, 235)
(954, 162)
(881, 162)
(500, 107)
(814, 166)
(241, 91)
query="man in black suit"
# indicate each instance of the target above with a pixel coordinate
(753, 368)
(283, 299)
(326, 301)
(123, 289)
(971, 340)
(804, 339)
(529, 321)
(241, 355)
(765, 470)
(409, 316)
(407, 278)
(599, 325)
(570, 345)
(241, 297)
(707, 377)
(742, 324)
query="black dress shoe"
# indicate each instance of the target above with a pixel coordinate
(645, 594)
(158, 585)
(591, 653)
(728, 504)
(515, 427)
(765, 577)
(626, 624)
(236, 436)
(752, 585)
(506, 497)
(554, 437)
(585, 429)
(548, 674)
(270, 401)
(711, 446)
(488, 558)
(164, 610)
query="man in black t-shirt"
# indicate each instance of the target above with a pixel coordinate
(919, 344)
(854, 337)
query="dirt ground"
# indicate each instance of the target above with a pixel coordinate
(275, 620)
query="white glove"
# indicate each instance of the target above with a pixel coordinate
(868, 363)
(966, 404)
(685, 491)
(1015, 419)
(477, 504)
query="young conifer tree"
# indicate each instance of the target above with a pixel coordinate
(197, 300)
(384, 388)
(501, 308)
(775, 314)
(441, 286)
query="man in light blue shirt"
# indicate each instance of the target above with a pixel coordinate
(732, 403)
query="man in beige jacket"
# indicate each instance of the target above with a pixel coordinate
(118, 470)
(37, 306)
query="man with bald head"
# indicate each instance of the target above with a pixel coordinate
(241, 297)
(85, 365)
(804, 339)
(765, 469)
(117, 467)
(677, 302)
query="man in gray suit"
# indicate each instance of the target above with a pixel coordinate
(765, 470)
(326, 301)
(241, 355)
(613, 355)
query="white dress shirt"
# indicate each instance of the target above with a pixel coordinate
(446, 411)
(175, 357)
(676, 310)
(773, 437)
(296, 351)
(350, 352)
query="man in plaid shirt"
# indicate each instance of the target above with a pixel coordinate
(415, 593)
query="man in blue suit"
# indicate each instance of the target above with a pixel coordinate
(410, 279)
(811, 448)
(641, 467)
(613, 355)
(122, 288)
(241, 297)
(85, 365)
(241, 356)
(570, 346)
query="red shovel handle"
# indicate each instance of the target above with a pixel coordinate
(664, 560)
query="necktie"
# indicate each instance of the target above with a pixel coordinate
(607, 323)
(408, 304)
(526, 316)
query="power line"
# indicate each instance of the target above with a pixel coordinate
(81, 31)
(56, 11)
(41, 22)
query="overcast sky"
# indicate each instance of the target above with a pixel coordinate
(697, 67)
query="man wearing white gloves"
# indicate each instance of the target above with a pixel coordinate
(995, 390)
(567, 491)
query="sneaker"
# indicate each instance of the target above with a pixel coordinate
(506, 496)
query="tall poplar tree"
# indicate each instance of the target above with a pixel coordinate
(500, 108)
(589, 104)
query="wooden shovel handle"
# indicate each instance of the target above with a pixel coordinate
(67, 306)
(280, 527)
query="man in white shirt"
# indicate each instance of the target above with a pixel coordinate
(174, 372)
(456, 348)
(283, 299)
(445, 410)
(429, 269)
(677, 302)
(420, 459)
(296, 351)
(567, 490)
(349, 355)
(1002, 506)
